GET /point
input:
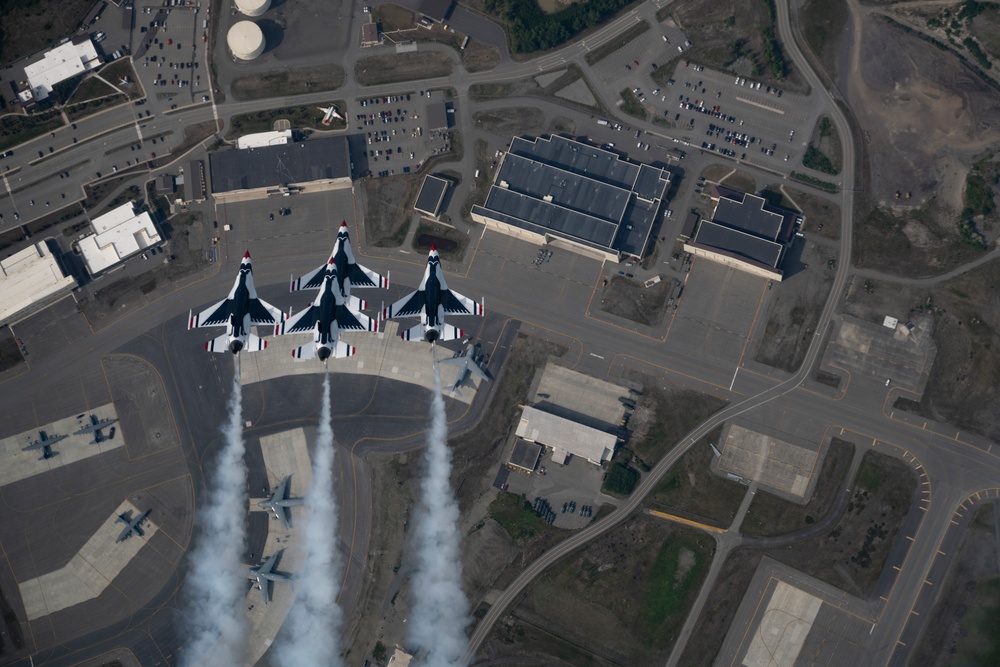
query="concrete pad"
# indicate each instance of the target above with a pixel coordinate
(17, 465)
(783, 628)
(383, 353)
(581, 398)
(901, 354)
(141, 402)
(767, 460)
(89, 571)
(578, 92)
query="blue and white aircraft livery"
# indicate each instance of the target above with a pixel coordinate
(349, 273)
(238, 312)
(325, 318)
(431, 301)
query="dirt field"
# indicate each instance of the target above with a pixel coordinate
(628, 298)
(510, 121)
(820, 215)
(663, 416)
(693, 491)
(479, 57)
(378, 70)
(621, 600)
(822, 23)
(963, 628)
(288, 82)
(849, 557)
(796, 306)
(388, 208)
(771, 515)
(727, 34)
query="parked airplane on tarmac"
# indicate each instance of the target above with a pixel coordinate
(238, 312)
(44, 443)
(325, 318)
(431, 301)
(280, 503)
(349, 273)
(265, 575)
(131, 525)
(470, 360)
(95, 426)
(329, 113)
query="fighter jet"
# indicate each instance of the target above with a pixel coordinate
(431, 301)
(44, 443)
(131, 525)
(469, 360)
(349, 273)
(237, 312)
(265, 575)
(325, 318)
(329, 113)
(95, 426)
(279, 503)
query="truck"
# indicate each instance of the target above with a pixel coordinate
(601, 121)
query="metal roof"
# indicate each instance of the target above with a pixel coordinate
(739, 244)
(301, 162)
(565, 437)
(431, 195)
(754, 215)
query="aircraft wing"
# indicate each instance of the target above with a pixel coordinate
(125, 532)
(352, 320)
(265, 590)
(301, 322)
(282, 490)
(41, 444)
(364, 277)
(311, 280)
(408, 306)
(261, 312)
(214, 316)
(456, 304)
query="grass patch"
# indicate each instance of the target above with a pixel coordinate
(668, 415)
(816, 159)
(605, 50)
(305, 116)
(288, 82)
(632, 106)
(815, 182)
(76, 112)
(28, 27)
(823, 21)
(16, 129)
(394, 68)
(770, 515)
(532, 30)
(693, 491)
(677, 568)
(514, 513)
(481, 92)
(630, 299)
(91, 88)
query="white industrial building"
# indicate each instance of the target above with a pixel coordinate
(63, 62)
(565, 437)
(30, 280)
(263, 139)
(119, 234)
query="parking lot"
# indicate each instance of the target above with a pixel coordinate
(737, 117)
(391, 134)
(169, 48)
(577, 482)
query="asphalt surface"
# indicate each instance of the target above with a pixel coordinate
(956, 465)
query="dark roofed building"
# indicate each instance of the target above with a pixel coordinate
(567, 192)
(194, 181)
(687, 229)
(314, 165)
(370, 35)
(165, 184)
(431, 195)
(435, 10)
(524, 457)
(437, 117)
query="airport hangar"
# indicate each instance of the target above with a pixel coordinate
(570, 194)
(745, 232)
(315, 165)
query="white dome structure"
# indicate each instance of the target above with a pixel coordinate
(245, 40)
(253, 7)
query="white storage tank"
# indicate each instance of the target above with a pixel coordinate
(253, 7)
(245, 40)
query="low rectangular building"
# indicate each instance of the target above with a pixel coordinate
(524, 457)
(562, 191)
(194, 182)
(118, 235)
(263, 139)
(63, 62)
(437, 117)
(30, 280)
(431, 195)
(304, 166)
(370, 35)
(565, 438)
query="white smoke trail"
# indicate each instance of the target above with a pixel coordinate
(314, 622)
(440, 609)
(216, 583)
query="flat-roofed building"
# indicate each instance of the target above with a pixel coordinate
(569, 193)
(194, 182)
(30, 280)
(431, 195)
(63, 62)
(745, 232)
(118, 235)
(437, 117)
(565, 438)
(524, 456)
(370, 35)
(263, 139)
(435, 10)
(166, 184)
(304, 166)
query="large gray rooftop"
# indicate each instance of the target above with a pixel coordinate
(754, 215)
(738, 244)
(299, 162)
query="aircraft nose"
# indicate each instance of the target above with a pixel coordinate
(236, 346)
(323, 353)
